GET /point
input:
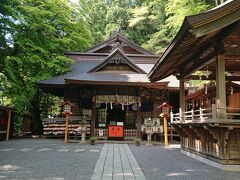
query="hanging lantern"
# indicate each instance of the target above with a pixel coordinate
(134, 107)
(206, 90)
(197, 103)
(231, 90)
(98, 105)
(207, 73)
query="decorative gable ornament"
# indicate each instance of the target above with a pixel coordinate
(117, 61)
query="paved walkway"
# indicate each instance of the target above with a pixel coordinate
(47, 159)
(117, 162)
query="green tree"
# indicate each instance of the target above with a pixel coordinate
(148, 25)
(177, 10)
(159, 20)
(97, 19)
(107, 16)
(40, 32)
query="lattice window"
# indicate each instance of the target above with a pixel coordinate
(102, 115)
(130, 132)
(131, 117)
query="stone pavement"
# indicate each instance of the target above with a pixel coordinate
(116, 162)
(169, 163)
(50, 159)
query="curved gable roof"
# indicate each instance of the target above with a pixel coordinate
(123, 57)
(118, 36)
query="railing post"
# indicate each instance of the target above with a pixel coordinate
(192, 114)
(180, 115)
(201, 115)
(171, 117)
(214, 112)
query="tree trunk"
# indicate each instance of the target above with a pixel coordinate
(35, 111)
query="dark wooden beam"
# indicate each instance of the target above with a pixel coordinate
(211, 77)
(216, 41)
(138, 123)
(198, 65)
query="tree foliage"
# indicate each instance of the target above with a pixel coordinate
(149, 23)
(106, 16)
(36, 35)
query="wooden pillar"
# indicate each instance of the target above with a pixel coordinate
(138, 115)
(138, 122)
(66, 130)
(165, 131)
(182, 97)
(220, 84)
(93, 115)
(9, 112)
(171, 133)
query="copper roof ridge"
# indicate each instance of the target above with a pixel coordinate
(119, 36)
(106, 54)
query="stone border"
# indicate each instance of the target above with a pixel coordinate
(235, 168)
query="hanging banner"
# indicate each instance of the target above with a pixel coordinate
(121, 99)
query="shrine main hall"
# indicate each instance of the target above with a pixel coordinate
(108, 85)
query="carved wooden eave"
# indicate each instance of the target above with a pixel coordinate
(113, 83)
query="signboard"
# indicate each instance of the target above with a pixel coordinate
(100, 132)
(120, 123)
(101, 125)
(115, 131)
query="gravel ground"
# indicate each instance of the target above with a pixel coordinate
(51, 159)
(47, 159)
(160, 163)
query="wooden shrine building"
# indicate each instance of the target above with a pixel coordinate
(207, 47)
(108, 83)
(6, 122)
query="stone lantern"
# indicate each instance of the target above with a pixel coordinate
(82, 129)
(151, 126)
(149, 131)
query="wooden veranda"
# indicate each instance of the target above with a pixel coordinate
(207, 48)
